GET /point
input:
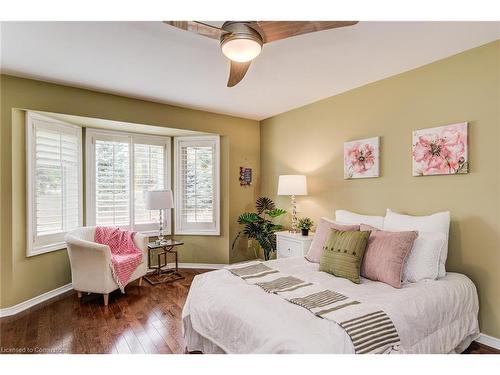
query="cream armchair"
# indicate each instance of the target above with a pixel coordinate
(90, 262)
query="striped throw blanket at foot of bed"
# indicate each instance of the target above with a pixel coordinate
(370, 329)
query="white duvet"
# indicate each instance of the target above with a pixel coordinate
(223, 313)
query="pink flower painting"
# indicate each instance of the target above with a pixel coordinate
(361, 158)
(441, 150)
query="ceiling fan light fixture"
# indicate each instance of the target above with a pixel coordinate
(241, 49)
(242, 41)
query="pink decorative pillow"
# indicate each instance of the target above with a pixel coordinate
(385, 255)
(322, 231)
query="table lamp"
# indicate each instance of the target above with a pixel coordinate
(159, 200)
(292, 184)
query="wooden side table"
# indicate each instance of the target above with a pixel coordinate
(160, 252)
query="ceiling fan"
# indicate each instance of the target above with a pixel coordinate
(242, 41)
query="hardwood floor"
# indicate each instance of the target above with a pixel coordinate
(477, 348)
(146, 319)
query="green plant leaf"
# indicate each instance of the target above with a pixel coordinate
(248, 217)
(277, 227)
(252, 230)
(276, 212)
(264, 204)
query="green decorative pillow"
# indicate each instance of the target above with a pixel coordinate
(343, 253)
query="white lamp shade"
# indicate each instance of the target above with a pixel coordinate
(292, 184)
(159, 199)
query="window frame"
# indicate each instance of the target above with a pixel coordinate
(180, 228)
(55, 241)
(92, 134)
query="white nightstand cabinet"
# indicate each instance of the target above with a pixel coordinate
(292, 244)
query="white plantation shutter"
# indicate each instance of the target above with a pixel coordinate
(197, 185)
(150, 173)
(112, 183)
(54, 182)
(122, 168)
(197, 166)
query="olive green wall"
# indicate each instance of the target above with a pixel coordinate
(23, 278)
(464, 87)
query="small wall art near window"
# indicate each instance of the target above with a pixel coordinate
(441, 150)
(362, 158)
(245, 176)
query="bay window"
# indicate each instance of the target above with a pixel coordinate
(120, 168)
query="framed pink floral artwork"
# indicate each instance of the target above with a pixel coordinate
(441, 150)
(361, 158)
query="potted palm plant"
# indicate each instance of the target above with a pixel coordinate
(305, 224)
(259, 225)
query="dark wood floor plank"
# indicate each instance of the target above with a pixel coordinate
(477, 348)
(31, 333)
(136, 317)
(96, 332)
(18, 336)
(169, 338)
(130, 334)
(146, 319)
(43, 327)
(159, 342)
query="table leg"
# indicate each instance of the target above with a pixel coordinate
(171, 274)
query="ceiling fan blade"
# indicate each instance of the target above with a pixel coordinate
(198, 28)
(276, 30)
(237, 72)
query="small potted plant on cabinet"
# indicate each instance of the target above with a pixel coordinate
(305, 224)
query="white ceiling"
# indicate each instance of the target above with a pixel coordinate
(153, 61)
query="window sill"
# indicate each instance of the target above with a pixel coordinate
(196, 233)
(45, 249)
(152, 233)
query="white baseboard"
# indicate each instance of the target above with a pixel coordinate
(205, 266)
(490, 341)
(16, 309)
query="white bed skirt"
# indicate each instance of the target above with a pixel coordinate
(195, 342)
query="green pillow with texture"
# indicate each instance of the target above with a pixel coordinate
(343, 253)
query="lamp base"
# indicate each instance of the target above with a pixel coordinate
(161, 233)
(294, 216)
(161, 241)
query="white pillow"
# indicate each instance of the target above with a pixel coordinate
(422, 262)
(438, 222)
(348, 217)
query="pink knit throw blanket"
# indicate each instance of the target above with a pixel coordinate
(125, 256)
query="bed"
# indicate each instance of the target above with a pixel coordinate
(225, 314)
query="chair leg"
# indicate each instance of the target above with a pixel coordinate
(106, 299)
(79, 294)
(140, 281)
